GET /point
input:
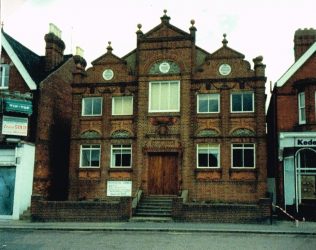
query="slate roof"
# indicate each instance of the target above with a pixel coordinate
(33, 63)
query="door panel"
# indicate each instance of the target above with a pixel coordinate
(163, 174)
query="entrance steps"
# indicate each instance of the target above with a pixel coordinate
(26, 215)
(154, 208)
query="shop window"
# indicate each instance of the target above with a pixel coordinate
(90, 156)
(242, 102)
(243, 155)
(122, 105)
(4, 76)
(208, 156)
(92, 106)
(208, 103)
(164, 96)
(121, 156)
(301, 108)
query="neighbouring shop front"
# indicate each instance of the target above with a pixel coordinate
(16, 155)
(297, 152)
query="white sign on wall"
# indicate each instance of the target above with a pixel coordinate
(119, 188)
(14, 125)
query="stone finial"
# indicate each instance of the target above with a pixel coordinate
(259, 66)
(139, 31)
(224, 40)
(192, 29)
(165, 18)
(109, 47)
(258, 60)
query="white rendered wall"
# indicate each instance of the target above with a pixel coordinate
(25, 159)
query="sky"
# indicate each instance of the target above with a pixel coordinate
(253, 27)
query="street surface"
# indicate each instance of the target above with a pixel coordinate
(47, 239)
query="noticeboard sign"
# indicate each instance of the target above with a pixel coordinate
(119, 188)
(14, 126)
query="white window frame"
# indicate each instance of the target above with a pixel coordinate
(5, 70)
(243, 147)
(164, 110)
(93, 98)
(90, 147)
(301, 109)
(120, 147)
(242, 101)
(121, 98)
(208, 147)
(211, 96)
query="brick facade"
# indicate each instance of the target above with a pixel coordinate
(175, 133)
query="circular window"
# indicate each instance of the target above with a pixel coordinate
(225, 69)
(164, 67)
(108, 74)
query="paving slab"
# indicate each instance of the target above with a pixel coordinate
(277, 227)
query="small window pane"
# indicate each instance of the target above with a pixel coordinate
(248, 158)
(97, 106)
(203, 103)
(203, 161)
(237, 158)
(126, 159)
(85, 161)
(236, 102)
(247, 102)
(4, 76)
(174, 96)
(213, 160)
(95, 156)
(87, 106)
(213, 105)
(155, 95)
(127, 105)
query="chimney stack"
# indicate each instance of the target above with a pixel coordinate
(303, 39)
(54, 53)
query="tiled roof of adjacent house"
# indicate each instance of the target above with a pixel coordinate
(33, 63)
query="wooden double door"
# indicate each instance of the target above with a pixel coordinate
(163, 174)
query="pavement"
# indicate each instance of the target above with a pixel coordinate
(277, 227)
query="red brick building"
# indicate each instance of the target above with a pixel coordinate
(170, 118)
(35, 96)
(292, 131)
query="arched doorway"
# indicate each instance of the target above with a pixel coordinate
(305, 175)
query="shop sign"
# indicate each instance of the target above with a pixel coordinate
(14, 126)
(305, 142)
(119, 188)
(19, 106)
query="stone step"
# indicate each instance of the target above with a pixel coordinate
(153, 214)
(155, 210)
(151, 206)
(150, 219)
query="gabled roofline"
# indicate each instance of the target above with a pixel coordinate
(17, 62)
(291, 71)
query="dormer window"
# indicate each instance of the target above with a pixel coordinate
(301, 108)
(4, 76)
